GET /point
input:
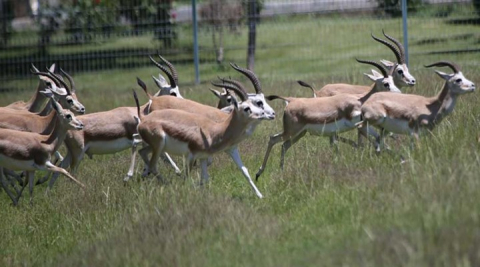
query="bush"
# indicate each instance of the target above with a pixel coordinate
(394, 7)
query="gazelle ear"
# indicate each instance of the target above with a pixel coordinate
(371, 77)
(52, 68)
(160, 82)
(58, 91)
(377, 74)
(387, 63)
(215, 92)
(47, 93)
(443, 75)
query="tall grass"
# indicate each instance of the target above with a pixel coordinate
(326, 208)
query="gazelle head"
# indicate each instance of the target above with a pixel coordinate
(456, 82)
(60, 90)
(383, 81)
(400, 73)
(246, 109)
(225, 98)
(67, 118)
(258, 99)
(161, 82)
(71, 100)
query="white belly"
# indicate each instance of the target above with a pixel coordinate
(330, 129)
(176, 147)
(108, 147)
(396, 126)
(17, 165)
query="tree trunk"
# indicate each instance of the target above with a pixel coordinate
(252, 34)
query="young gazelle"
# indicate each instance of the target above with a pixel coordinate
(25, 151)
(400, 73)
(183, 133)
(323, 116)
(408, 114)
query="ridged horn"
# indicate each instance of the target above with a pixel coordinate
(253, 78)
(243, 96)
(453, 66)
(70, 79)
(60, 82)
(392, 47)
(173, 71)
(398, 44)
(373, 63)
(173, 83)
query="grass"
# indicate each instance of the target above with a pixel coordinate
(327, 208)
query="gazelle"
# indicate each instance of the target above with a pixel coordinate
(183, 133)
(408, 114)
(400, 73)
(323, 116)
(25, 151)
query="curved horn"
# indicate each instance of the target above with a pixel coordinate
(169, 75)
(453, 66)
(253, 78)
(171, 67)
(235, 83)
(51, 76)
(70, 80)
(243, 96)
(380, 67)
(60, 82)
(397, 53)
(397, 43)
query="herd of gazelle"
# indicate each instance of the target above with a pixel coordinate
(32, 132)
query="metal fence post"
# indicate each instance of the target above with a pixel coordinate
(405, 30)
(195, 41)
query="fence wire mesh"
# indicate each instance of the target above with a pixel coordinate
(294, 38)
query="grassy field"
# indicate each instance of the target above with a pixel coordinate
(326, 208)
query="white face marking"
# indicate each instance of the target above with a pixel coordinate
(258, 100)
(457, 83)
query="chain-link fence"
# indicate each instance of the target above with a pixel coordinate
(294, 38)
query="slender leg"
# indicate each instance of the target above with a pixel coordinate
(64, 164)
(31, 176)
(5, 187)
(136, 140)
(58, 157)
(204, 175)
(274, 139)
(50, 167)
(144, 154)
(238, 161)
(172, 163)
(287, 144)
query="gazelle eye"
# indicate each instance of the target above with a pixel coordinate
(260, 103)
(400, 72)
(247, 109)
(173, 94)
(69, 117)
(386, 85)
(458, 81)
(70, 101)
